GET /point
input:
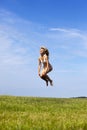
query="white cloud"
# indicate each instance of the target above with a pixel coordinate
(71, 32)
(14, 44)
(71, 39)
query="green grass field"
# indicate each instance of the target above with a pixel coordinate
(35, 113)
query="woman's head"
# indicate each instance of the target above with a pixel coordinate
(44, 50)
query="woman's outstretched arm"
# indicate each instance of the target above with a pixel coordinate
(39, 66)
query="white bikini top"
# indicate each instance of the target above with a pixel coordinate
(44, 60)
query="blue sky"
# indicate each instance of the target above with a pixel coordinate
(61, 26)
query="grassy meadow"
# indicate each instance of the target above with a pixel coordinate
(36, 113)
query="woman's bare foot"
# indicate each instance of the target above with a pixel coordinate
(51, 82)
(47, 82)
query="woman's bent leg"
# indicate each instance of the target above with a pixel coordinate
(50, 80)
(44, 78)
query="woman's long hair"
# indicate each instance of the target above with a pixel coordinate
(46, 51)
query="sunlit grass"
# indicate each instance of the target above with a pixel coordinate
(34, 113)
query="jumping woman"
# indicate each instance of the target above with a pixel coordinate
(44, 66)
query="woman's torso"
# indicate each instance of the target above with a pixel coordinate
(44, 60)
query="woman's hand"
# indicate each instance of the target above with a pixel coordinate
(39, 74)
